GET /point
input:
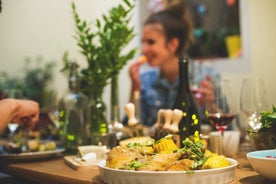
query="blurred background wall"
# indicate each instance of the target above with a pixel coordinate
(45, 28)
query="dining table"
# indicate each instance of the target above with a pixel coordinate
(56, 171)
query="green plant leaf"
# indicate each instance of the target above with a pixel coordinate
(103, 46)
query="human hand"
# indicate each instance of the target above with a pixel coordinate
(26, 113)
(134, 73)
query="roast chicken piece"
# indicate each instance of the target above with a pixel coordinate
(159, 162)
(121, 156)
(180, 165)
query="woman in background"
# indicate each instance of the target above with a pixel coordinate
(166, 36)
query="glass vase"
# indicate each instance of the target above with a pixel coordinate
(98, 115)
(100, 134)
(115, 110)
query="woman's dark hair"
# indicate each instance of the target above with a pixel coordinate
(176, 24)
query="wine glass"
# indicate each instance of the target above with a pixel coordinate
(253, 100)
(12, 128)
(221, 109)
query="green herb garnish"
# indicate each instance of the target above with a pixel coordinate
(193, 150)
(268, 120)
(135, 165)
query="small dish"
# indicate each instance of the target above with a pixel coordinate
(264, 162)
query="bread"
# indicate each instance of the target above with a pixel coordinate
(100, 151)
(141, 140)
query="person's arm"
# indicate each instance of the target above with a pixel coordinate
(22, 112)
(135, 79)
(134, 74)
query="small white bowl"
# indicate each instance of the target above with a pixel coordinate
(262, 164)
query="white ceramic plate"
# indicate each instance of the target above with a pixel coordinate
(31, 155)
(207, 176)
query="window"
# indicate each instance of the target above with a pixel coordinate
(216, 29)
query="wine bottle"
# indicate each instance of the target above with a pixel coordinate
(76, 117)
(190, 121)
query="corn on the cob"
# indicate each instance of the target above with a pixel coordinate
(215, 161)
(165, 145)
(145, 150)
(208, 153)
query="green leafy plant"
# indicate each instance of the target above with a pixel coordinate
(102, 45)
(268, 119)
(8, 84)
(37, 80)
(265, 138)
(34, 84)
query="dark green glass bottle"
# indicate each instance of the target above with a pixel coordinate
(190, 122)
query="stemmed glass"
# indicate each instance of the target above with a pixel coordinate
(253, 100)
(221, 109)
(12, 128)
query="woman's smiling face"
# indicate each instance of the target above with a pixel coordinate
(154, 45)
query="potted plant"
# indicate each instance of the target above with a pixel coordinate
(34, 83)
(102, 45)
(265, 138)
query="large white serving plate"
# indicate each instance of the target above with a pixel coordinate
(31, 155)
(207, 176)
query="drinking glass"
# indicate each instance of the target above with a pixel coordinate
(53, 115)
(221, 109)
(253, 100)
(12, 128)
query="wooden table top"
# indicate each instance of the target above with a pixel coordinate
(56, 171)
(51, 171)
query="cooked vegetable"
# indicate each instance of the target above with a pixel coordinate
(215, 161)
(144, 145)
(33, 145)
(134, 165)
(193, 150)
(12, 148)
(165, 145)
(164, 155)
